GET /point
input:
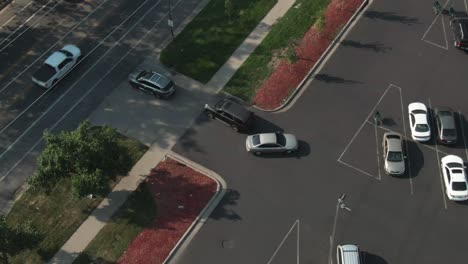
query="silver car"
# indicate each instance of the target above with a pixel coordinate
(446, 128)
(271, 143)
(393, 153)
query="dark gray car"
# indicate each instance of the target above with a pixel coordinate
(446, 127)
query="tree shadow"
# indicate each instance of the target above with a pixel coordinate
(373, 46)
(391, 16)
(222, 211)
(333, 79)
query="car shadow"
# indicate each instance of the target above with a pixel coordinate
(414, 160)
(462, 128)
(370, 258)
(262, 125)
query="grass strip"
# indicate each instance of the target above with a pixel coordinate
(262, 62)
(213, 35)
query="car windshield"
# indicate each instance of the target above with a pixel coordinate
(395, 156)
(67, 53)
(255, 140)
(143, 74)
(449, 132)
(459, 186)
(280, 139)
(422, 128)
(220, 104)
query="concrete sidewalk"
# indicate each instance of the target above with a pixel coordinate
(159, 124)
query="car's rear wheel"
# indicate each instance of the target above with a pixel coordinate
(258, 153)
(235, 128)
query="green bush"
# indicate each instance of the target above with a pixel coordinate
(89, 183)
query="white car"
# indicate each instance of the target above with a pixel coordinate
(454, 175)
(419, 122)
(57, 66)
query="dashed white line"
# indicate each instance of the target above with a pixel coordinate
(92, 88)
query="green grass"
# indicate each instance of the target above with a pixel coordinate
(256, 69)
(58, 214)
(210, 39)
(110, 243)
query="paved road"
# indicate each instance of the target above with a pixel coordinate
(284, 209)
(115, 37)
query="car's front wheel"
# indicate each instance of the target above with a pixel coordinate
(210, 115)
(235, 128)
(258, 153)
(288, 151)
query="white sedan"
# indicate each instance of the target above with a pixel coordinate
(419, 122)
(271, 143)
(454, 175)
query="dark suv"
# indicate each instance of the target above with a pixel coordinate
(153, 83)
(231, 113)
(459, 26)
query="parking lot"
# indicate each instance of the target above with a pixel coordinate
(284, 209)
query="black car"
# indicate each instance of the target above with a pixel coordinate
(446, 126)
(231, 113)
(459, 26)
(153, 83)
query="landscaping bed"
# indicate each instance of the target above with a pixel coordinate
(180, 193)
(213, 35)
(57, 213)
(286, 77)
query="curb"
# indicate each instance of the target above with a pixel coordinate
(325, 56)
(205, 212)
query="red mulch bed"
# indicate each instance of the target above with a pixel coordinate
(287, 77)
(173, 184)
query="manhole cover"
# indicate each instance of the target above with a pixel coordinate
(228, 244)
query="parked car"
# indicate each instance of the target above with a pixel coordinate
(57, 66)
(446, 127)
(232, 114)
(459, 27)
(153, 83)
(271, 143)
(419, 122)
(348, 254)
(394, 159)
(454, 175)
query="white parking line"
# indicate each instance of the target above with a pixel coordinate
(352, 167)
(66, 92)
(22, 9)
(297, 222)
(403, 120)
(92, 88)
(377, 148)
(34, 62)
(27, 20)
(463, 134)
(466, 7)
(438, 163)
(443, 28)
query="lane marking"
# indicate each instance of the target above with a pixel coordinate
(34, 62)
(466, 7)
(443, 28)
(463, 134)
(442, 186)
(94, 86)
(284, 239)
(27, 20)
(352, 167)
(403, 120)
(9, 20)
(66, 91)
(378, 154)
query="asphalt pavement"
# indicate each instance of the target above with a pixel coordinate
(284, 209)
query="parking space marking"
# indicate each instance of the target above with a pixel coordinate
(378, 153)
(22, 9)
(466, 7)
(443, 28)
(92, 88)
(297, 222)
(463, 134)
(438, 162)
(403, 120)
(352, 167)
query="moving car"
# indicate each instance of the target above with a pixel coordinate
(454, 176)
(57, 66)
(232, 114)
(419, 122)
(394, 160)
(152, 82)
(459, 27)
(446, 128)
(271, 143)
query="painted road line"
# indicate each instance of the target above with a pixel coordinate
(297, 222)
(9, 20)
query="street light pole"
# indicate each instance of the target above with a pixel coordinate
(170, 22)
(339, 205)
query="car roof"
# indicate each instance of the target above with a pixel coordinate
(393, 141)
(55, 59)
(156, 78)
(267, 138)
(235, 109)
(447, 121)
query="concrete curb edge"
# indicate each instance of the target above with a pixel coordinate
(205, 212)
(328, 52)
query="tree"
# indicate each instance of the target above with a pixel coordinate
(89, 183)
(15, 239)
